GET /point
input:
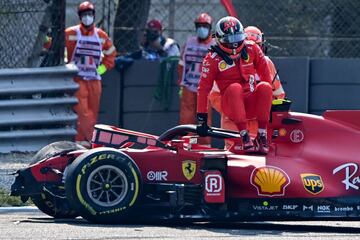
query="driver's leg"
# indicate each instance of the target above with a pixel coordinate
(259, 105)
(232, 104)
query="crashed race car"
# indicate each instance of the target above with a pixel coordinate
(311, 171)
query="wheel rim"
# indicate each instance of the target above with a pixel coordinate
(107, 186)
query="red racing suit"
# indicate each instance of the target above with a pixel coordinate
(241, 96)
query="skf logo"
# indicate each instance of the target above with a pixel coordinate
(312, 183)
(188, 169)
(269, 181)
(223, 66)
(214, 191)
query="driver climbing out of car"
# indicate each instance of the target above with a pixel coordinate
(232, 63)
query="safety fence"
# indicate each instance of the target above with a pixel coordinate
(36, 107)
(313, 28)
(32, 33)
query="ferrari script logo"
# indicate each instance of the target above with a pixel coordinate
(269, 181)
(312, 183)
(188, 169)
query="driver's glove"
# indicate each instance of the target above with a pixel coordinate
(202, 128)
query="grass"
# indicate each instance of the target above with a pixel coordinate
(6, 200)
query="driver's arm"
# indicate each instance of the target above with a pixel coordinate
(261, 65)
(208, 74)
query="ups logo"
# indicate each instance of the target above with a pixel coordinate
(312, 183)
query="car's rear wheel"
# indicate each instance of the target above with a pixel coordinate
(103, 185)
(53, 201)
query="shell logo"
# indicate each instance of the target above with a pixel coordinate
(282, 132)
(269, 181)
(222, 65)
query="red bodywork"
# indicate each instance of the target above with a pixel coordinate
(310, 157)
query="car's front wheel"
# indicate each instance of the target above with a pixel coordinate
(52, 202)
(103, 185)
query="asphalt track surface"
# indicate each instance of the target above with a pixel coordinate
(29, 223)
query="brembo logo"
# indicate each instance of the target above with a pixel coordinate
(350, 180)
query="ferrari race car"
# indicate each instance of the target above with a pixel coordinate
(311, 171)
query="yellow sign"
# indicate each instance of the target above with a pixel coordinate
(188, 169)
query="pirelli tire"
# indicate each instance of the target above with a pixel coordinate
(49, 202)
(103, 185)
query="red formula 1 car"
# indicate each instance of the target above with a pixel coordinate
(311, 171)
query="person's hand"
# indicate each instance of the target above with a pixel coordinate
(101, 69)
(181, 91)
(202, 128)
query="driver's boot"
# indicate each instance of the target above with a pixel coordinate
(263, 143)
(247, 143)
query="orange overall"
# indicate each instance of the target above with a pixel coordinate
(88, 48)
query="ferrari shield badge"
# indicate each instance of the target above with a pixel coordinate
(188, 169)
(269, 181)
(312, 183)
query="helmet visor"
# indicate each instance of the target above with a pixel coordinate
(232, 38)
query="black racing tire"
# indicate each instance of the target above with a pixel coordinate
(103, 185)
(48, 203)
(53, 206)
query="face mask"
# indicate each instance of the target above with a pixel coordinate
(87, 20)
(202, 32)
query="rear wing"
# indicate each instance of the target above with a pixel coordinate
(350, 118)
(110, 136)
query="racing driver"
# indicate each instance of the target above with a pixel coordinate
(232, 63)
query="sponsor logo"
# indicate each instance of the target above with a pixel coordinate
(223, 66)
(323, 209)
(214, 191)
(350, 181)
(308, 208)
(188, 169)
(251, 83)
(265, 207)
(213, 184)
(290, 207)
(205, 69)
(312, 183)
(343, 209)
(296, 136)
(269, 181)
(282, 132)
(206, 64)
(157, 175)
